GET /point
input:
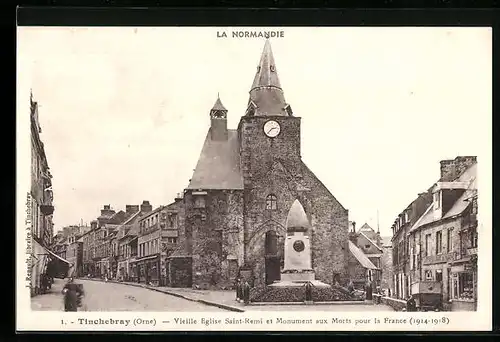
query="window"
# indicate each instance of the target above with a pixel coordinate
(465, 286)
(439, 242)
(367, 246)
(428, 275)
(427, 244)
(439, 275)
(437, 200)
(172, 240)
(472, 237)
(271, 202)
(449, 242)
(414, 260)
(199, 202)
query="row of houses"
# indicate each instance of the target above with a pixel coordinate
(43, 264)
(370, 257)
(134, 245)
(435, 238)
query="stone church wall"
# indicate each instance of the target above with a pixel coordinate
(216, 237)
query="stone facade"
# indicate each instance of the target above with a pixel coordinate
(242, 189)
(440, 242)
(40, 208)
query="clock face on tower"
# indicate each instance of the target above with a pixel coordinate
(272, 128)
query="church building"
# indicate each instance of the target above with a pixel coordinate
(240, 193)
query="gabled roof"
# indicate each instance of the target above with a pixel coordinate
(427, 217)
(457, 208)
(361, 257)
(218, 166)
(132, 218)
(366, 227)
(371, 241)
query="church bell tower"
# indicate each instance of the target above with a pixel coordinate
(268, 131)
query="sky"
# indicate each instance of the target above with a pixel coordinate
(124, 111)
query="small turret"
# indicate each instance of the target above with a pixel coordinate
(218, 121)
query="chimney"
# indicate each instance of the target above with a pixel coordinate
(93, 225)
(146, 207)
(452, 169)
(178, 197)
(106, 210)
(447, 170)
(131, 209)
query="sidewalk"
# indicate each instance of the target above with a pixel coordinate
(52, 301)
(221, 299)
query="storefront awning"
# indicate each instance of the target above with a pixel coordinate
(58, 257)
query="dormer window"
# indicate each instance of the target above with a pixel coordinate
(288, 110)
(437, 200)
(251, 108)
(273, 68)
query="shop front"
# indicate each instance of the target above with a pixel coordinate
(463, 285)
(45, 266)
(149, 270)
(133, 270)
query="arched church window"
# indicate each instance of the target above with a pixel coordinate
(271, 202)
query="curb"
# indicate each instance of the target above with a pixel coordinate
(202, 301)
(352, 302)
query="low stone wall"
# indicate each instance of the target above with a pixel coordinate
(298, 294)
(396, 304)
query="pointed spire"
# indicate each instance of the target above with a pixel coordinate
(266, 75)
(297, 218)
(266, 93)
(218, 106)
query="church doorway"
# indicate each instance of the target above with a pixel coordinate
(272, 258)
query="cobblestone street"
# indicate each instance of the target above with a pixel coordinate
(100, 296)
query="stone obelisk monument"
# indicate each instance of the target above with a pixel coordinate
(298, 264)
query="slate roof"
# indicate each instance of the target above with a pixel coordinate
(361, 257)
(370, 240)
(218, 105)
(266, 92)
(218, 166)
(458, 207)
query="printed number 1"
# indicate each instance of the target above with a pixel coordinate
(62, 322)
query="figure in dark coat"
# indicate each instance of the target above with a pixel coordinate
(411, 304)
(238, 289)
(246, 293)
(72, 295)
(369, 290)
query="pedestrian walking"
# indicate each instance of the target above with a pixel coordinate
(246, 293)
(72, 295)
(411, 304)
(368, 290)
(238, 287)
